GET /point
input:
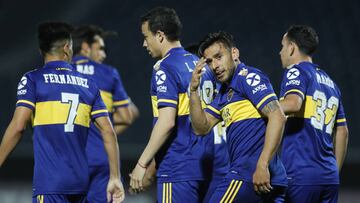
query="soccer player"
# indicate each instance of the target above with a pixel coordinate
(88, 42)
(63, 103)
(316, 135)
(249, 107)
(217, 156)
(179, 152)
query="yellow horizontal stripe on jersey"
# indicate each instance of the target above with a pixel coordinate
(168, 101)
(55, 112)
(213, 109)
(99, 111)
(26, 102)
(82, 61)
(184, 104)
(107, 97)
(295, 90)
(238, 111)
(341, 120)
(121, 102)
(264, 99)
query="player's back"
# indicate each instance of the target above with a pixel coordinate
(113, 94)
(307, 149)
(64, 103)
(181, 156)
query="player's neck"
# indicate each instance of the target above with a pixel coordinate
(50, 57)
(302, 58)
(169, 45)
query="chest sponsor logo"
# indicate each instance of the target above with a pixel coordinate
(160, 77)
(292, 74)
(253, 79)
(22, 83)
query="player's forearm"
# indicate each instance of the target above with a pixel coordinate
(273, 135)
(112, 150)
(120, 129)
(199, 120)
(11, 137)
(159, 135)
(291, 104)
(340, 145)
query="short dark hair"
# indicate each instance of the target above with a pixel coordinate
(165, 20)
(304, 37)
(87, 33)
(50, 33)
(216, 37)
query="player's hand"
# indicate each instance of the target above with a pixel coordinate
(196, 74)
(261, 179)
(136, 179)
(115, 191)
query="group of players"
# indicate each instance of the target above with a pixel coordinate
(220, 133)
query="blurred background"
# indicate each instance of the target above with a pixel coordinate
(257, 26)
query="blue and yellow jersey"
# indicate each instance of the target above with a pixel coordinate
(307, 149)
(64, 102)
(180, 158)
(114, 96)
(216, 140)
(238, 105)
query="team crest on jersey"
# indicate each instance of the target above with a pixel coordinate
(253, 79)
(230, 95)
(22, 83)
(292, 74)
(160, 77)
(243, 72)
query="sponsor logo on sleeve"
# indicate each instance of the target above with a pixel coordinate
(160, 77)
(259, 88)
(292, 74)
(22, 83)
(253, 79)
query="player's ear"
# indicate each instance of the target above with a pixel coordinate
(292, 47)
(67, 48)
(235, 53)
(160, 35)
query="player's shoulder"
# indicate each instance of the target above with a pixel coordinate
(245, 73)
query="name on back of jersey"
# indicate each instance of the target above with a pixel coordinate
(322, 79)
(65, 79)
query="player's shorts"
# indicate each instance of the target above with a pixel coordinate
(64, 198)
(232, 190)
(99, 178)
(312, 193)
(215, 181)
(180, 192)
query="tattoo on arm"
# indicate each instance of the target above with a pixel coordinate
(270, 107)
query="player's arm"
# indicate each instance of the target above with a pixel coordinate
(14, 131)
(160, 133)
(122, 119)
(273, 135)
(291, 103)
(112, 149)
(341, 137)
(202, 122)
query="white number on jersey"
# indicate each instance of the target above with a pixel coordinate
(325, 112)
(73, 99)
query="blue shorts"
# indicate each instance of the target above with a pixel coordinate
(232, 190)
(99, 178)
(185, 191)
(52, 198)
(215, 181)
(312, 193)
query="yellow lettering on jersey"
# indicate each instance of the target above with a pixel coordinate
(107, 97)
(238, 111)
(55, 112)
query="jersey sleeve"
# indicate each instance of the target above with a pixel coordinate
(98, 108)
(340, 116)
(167, 89)
(26, 92)
(257, 88)
(294, 82)
(214, 108)
(120, 97)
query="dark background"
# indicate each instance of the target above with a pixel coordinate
(257, 26)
